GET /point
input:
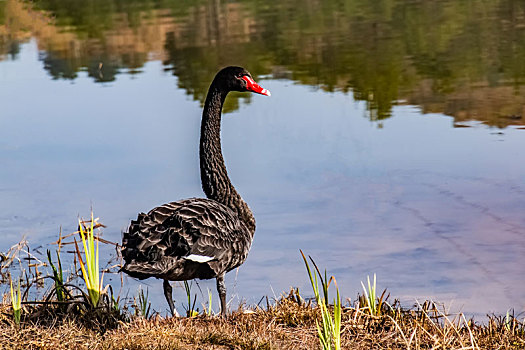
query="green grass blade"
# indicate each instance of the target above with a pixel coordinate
(90, 271)
(314, 284)
(210, 299)
(330, 332)
(16, 302)
(337, 319)
(57, 277)
(371, 296)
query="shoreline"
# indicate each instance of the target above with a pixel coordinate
(290, 323)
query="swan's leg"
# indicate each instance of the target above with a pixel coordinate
(168, 294)
(221, 288)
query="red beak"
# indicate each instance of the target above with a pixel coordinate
(251, 85)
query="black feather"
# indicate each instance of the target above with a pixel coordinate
(158, 242)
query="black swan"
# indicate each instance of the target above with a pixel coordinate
(197, 237)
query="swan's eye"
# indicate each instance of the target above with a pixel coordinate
(239, 78)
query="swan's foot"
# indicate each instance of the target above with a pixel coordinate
(221, 288)
(168, 294)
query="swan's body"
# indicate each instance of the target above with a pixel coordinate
(197, 237)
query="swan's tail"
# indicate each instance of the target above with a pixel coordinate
(132, 239)
(134, 242)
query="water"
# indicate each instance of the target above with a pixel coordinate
(390, 145)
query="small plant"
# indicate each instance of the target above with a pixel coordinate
(144, 306)
(209, 311)
(330, 332)
(58, 276)
(374, 308)
(509, 320)
(90, 271)
(190, 312)
(16, 301)
(115, 303)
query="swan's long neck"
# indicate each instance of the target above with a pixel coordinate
(214, 177)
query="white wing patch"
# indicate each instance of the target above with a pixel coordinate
(199, 258)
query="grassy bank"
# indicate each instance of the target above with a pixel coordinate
(289, 324)
(77, 311)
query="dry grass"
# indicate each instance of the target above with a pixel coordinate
(289, 324)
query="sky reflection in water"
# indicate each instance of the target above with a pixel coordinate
(435, 211)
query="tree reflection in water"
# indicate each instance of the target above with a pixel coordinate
(464, 59)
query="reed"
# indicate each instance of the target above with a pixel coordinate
(58, 276)
(374, 305)
(90, 270)
(330, 332)
(16, 302)
(208, 311)
(144, 305)
(190, 311)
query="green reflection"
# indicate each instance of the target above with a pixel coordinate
(462, 58)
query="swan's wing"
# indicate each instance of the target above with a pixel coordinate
(199, 230)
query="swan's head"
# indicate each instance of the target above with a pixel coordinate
(239, 79)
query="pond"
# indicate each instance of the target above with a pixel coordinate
(390, 145)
